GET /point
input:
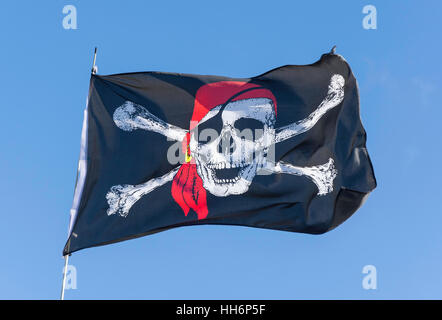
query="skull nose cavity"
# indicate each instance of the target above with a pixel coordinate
(226, 144)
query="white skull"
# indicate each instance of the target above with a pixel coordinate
(228, 157)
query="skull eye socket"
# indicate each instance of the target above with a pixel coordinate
(206, 135)
(249, 128)
(209, 130)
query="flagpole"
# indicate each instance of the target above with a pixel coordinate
(66, 257)
(66, 260)
(94, 67)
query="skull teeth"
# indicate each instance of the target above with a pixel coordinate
(227, 180)
(227, 165)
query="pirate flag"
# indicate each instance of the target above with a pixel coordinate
(284, 150)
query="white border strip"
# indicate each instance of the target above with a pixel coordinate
(82, 170)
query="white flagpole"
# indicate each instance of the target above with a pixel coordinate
(94, 67)
(66, 257)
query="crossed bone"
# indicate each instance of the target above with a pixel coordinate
(131, 116)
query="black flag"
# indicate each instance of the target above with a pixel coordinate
(284, 150)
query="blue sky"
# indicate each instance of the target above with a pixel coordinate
(44, 80)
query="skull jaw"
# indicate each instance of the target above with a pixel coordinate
(241, 186)
(227, 189)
